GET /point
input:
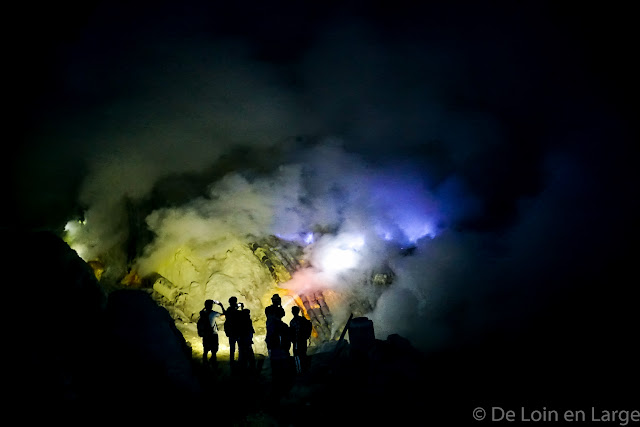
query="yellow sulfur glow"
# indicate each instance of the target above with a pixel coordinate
(97, 267)
(132, 278)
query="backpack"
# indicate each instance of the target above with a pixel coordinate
(204, 326)
(279, 337)
(285, 336)
(305, 328)
(230, 324)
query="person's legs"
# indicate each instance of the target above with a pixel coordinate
(215, 345)
(250, 357)
(242, 352)
(232, 349)
(296, 358)
(205, 349)
(304, 359)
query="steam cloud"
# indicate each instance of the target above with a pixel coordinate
(361, 137)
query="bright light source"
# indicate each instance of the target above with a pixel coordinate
(340, 253)
(354, 242)
(340, 259)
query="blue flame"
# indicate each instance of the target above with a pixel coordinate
(405, 211)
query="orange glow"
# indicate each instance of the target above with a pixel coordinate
(303, 311)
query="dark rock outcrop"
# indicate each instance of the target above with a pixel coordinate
(73, 347)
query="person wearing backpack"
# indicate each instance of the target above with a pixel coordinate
(300, 328)
(208, 330)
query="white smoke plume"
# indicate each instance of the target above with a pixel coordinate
(425, 156)
(344, 213)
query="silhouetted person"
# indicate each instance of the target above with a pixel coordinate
(279, 344)
(209, 330)
(245, 331)
(230, 327)
(274, 314)
(300, 329)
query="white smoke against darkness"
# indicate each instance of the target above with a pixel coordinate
(184, 114)
(194, 119)
(190, 103)
(287, 202)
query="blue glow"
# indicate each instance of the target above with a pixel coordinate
(304, 238)
(384, 232)
(417, 231)
(406, 212)
(309, 238)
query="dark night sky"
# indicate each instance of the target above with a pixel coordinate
(530, 105)
(516, 81)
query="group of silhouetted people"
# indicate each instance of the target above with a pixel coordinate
(281, 337)
(238, 328)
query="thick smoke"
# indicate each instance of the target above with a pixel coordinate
(394, 152)
(210, 102)
(351, 218)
